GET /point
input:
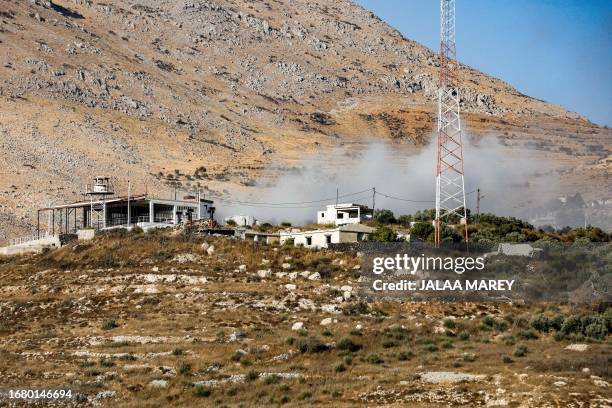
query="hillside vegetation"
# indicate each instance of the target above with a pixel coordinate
(133, 319)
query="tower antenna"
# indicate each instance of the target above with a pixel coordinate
(450, 185)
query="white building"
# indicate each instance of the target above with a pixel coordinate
(241, 220)
(341, 214)
(323, 237)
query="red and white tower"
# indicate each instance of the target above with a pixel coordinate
(450, 186)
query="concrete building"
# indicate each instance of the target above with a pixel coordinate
(144, 211)
(256, 236)
(341, 214)
(323, 237)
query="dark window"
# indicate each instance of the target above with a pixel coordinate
(308, 240)
(328, 239)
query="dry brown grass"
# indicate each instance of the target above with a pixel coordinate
(60, 300)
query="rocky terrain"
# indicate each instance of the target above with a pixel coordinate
(158, 90)
(166, 319)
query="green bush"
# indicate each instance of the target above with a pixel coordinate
(507, 360)
(340, 368)
(422, 230)
(464, 336)
(384, 234)
(311, 345)
(540, 322)
(449, 323)
(272, 379)
(572, 324)
(405, 220)
(527, 334)
(304, 395)
(374, 359)
(389, 343)
(109, 325)
(106, 362)
(237, 355)
(596, 330)
(559, 336)
(384, 216)
(557, 322)
(520, 351)
(488, 320)
(405, 355)
(252, 375)
(201, 391)
(184, 368)
(508, 339)
(397, 333)
(346, 343)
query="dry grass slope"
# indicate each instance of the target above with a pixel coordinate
(150, 319)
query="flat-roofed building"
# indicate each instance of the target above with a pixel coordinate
(341, 214)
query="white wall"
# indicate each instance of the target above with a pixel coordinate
(32, 246)
(336, 216)
(318, 238)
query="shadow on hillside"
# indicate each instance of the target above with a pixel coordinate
(66, 12)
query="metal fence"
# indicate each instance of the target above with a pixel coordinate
(29, 238)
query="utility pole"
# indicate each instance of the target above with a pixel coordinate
(478, 198)
(129, 212)
(336, 195)
(373, 199)
(450, 185)
(478, 206)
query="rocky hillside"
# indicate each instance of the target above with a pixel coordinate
(158, 319)
(157, 89)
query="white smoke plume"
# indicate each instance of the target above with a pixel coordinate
(503, 175)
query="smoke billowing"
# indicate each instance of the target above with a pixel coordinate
(504, 176)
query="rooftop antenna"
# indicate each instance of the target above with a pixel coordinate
(450, 185)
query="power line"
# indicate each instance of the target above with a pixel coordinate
(413, 201)
(404, 199)
(297, 202)
(230, 203)
(304, 204)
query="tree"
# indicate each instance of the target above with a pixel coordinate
(384, 234)
(405, 220)
(384, 216)
(422, 230)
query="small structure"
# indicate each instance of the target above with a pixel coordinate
(323, 237)
(525, 250)
(341, 214)
(34, 244)
(256, 236)
(241, 220)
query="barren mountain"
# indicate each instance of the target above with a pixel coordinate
(155, 90)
